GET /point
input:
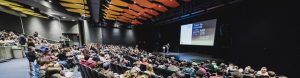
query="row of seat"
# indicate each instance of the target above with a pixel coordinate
(89, 73)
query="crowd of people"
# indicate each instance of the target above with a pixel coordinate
(54, 60)
(11, 38)
(100, 57)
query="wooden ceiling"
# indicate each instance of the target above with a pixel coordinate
(137, 11)
(20, 8)
(76, 6)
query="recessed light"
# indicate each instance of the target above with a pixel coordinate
(50, 1)
(73, 20)
(63, 17)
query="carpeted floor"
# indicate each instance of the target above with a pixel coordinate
(16, 68)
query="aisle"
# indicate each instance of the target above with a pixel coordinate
(16, 68)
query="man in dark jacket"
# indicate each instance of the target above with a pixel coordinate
(22, 40)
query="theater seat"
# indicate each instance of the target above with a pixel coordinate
(165, 73)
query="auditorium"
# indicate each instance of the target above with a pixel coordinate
(149, 39)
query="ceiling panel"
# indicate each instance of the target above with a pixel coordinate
(143, 3)
(111, 12)
(77, 6)
(152, 12)
(119, 3)
(135, 22)
(115, 8)
(147, 15)
(75, 1)
(131, 12)
(142, 18)
(122, 20)
(135, 8)
(160, 8)
(112, 16)
(128, 15)
(125, 18)
(20, 8)
(78, 10)
(7, 3)
(169, 3)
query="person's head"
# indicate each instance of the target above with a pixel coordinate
(133, 73)
(105, 66)
(31, 49)
(149, 67)
(137, 64)
(86, 57)
(263, 70)
(56, 75)
(241, 70)
(248, 67)
(189, 64)
(143, 76)
(194, 64)
(44, 41)
(201, 64)
(207, 61)
(251, 71)
(230, 64)
(271, 73)
(145, 60)
(237, 75)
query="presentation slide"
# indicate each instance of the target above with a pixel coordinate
(199, 33)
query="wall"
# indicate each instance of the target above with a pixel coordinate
(92, 33)
(47, 28)
(118, 36)
(107, 35)
(250, 32)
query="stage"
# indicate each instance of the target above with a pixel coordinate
(190, 56)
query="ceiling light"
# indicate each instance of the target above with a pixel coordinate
(73, 20)
(63, 17)
(50, 1)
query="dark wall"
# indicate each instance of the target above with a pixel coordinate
(248, 33)
(108, 35)
(118, 36)
(48, 28)
(265, 34)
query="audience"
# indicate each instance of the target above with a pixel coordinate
(45, 57)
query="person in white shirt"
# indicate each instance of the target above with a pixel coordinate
(136, 66)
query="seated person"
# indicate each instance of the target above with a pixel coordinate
(262, 72)
(91, 62)
(272, 74)
(250, 73)
(84, 61)
(173, 67)
(189, 70)
(105, 71)
(236, 74)
(136, 66)
(149, 70)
